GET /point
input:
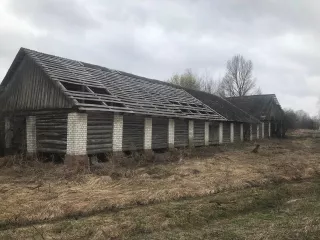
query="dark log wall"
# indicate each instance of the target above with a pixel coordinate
(266, 129)
(133, 132)
(237, 132)
(198, 139)
(226, 132)
(246, 131)
(100, 127)
(30, 88)
(51, 130)
(214, 133)
(254, 131)
(181, 133)
(160, 133)
(2, 137)
(18, 128)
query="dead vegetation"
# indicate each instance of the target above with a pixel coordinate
(33, 192)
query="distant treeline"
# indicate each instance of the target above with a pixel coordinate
(300, 120)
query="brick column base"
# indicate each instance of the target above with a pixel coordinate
(77, 162)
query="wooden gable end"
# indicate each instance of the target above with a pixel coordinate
(31, 89)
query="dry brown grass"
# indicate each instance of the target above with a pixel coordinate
(34, 192)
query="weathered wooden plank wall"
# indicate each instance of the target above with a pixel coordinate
(51, 130)
(160, 133)
(214, 133)
(266, 129)
(100, 128)
(198, 133)
(2, 137)
(246, 131)
(254, 131)
(30, 88)
(226, 132)
(237, 132)
(181, 133)
(133, 132)
(18, 128)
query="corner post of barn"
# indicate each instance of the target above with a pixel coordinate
(231, 132)
(171, 133)
(31, 135)
(76, 157)
(220, 132)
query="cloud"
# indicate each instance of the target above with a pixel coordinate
(158, 38)
(54, 15)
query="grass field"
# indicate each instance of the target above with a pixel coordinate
(214, 193)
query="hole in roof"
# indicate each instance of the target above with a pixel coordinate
(184, 110)
(114, 104)
(173, 102)
(99, 90)
(194, 111)
(74, 87)
(193, 105)
(184, 104)
(87, 101)
(202, 112)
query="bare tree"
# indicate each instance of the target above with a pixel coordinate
(208, 84)
(238, 80)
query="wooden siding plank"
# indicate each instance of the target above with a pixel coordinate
(214, 133)
(133, 132)
(160, 133)
(100, 128)
(237, 132)
(51, 130)
(198, 133)
(181, 133)
(226, 132)
(30, 88)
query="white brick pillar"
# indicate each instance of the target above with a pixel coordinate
(258, 131)
(251, 132)
(231, 132)
(171, 133)
(206, 133)
(241, 132)
(262, 130)
(147, 133)
(7, 132)
(31, 134)
(117, 133)
(77, 134)
(269, 129)
(220, 133)
(191, 132)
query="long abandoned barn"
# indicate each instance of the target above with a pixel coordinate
(57, 105)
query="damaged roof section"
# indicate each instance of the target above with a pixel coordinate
(95, 88)
(224, 107)
(263, 107)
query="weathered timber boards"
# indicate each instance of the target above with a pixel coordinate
(100, 127)
(214, 133)
(160, 133)
(133, 132)
(226, 132)
(181, 133)
(51, 132)
(198, 133)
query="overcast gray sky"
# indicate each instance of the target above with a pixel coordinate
(156, 38)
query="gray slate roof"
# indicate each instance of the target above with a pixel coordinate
(258, 106)
(96, 88)
(224, 107)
